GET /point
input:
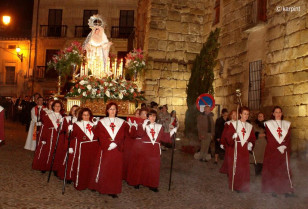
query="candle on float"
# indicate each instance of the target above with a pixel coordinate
(115, 66)
(108, 65)
(121, 68)
(113, 69)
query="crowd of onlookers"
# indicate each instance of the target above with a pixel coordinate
(19, 108)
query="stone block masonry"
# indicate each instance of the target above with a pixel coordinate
(175, 31)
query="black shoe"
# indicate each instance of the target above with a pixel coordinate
(43, 172)
(238, 191)
(274, 194)
(215, 162)
(68, 181)
(55, 173)
(137, 187)
(113, 195)
(289, 195)
(154, 189)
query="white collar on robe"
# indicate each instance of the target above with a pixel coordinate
(229, 122)
(1, 108)
(47, 110)
(156, 128)
(52, 116)
(83, 126)
(117, 122)
(272, 126)
(248, 128)
(68, 119)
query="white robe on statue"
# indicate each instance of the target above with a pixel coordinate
(31, 141)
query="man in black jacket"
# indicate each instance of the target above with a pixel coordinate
(219, 127)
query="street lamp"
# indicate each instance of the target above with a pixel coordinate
(20, 56)
(6, 19)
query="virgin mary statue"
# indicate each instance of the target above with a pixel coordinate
(97, 47)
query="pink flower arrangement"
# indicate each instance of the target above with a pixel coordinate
(134, 61)
(64, 59)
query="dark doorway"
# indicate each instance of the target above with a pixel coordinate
(50, 73)
(10, 75)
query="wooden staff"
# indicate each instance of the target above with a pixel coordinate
(171, 167)
(239, 103)
(66, 157)
(55, 150)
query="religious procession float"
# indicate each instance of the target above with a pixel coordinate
(98, 78)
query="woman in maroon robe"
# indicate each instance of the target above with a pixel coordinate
(241, 139)
(152, 134)
(45, 148)
(43, 115)
(111, 132)
(276, 174)
(63, 143)
(135, 163)
(224, 144)
(82, 152)
(129, 142)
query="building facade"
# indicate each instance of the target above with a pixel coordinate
(14, 66)
(263, 51)
(57, 23)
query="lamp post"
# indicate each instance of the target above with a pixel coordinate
(19, 55)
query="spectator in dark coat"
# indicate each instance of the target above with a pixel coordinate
(219, 127)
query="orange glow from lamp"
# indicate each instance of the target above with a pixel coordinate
(6, 19)
(19, 55)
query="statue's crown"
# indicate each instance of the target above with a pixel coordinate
(96, 21)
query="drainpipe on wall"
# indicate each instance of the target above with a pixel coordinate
(35, 53)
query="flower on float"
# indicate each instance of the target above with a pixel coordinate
(94, 91)
(79, 91)
(84, 94)
(89, 87)
(82, 82)
(120, 96)
(131, 90)
(107, 93)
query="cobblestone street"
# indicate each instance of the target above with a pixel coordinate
(195, 185)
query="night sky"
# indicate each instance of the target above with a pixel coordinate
(21, 17)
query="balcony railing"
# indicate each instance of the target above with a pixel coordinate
(53, 30)
(42, 72)
(39, 72)
(121, 32)
(82, 31)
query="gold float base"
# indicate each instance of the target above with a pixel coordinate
(98, 107)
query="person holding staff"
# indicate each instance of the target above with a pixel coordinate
(223, 142)
(241, 139)
(45, 148)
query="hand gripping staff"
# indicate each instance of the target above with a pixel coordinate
(66, 156)
(55, 150)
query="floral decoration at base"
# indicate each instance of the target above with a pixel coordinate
(88, 87)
